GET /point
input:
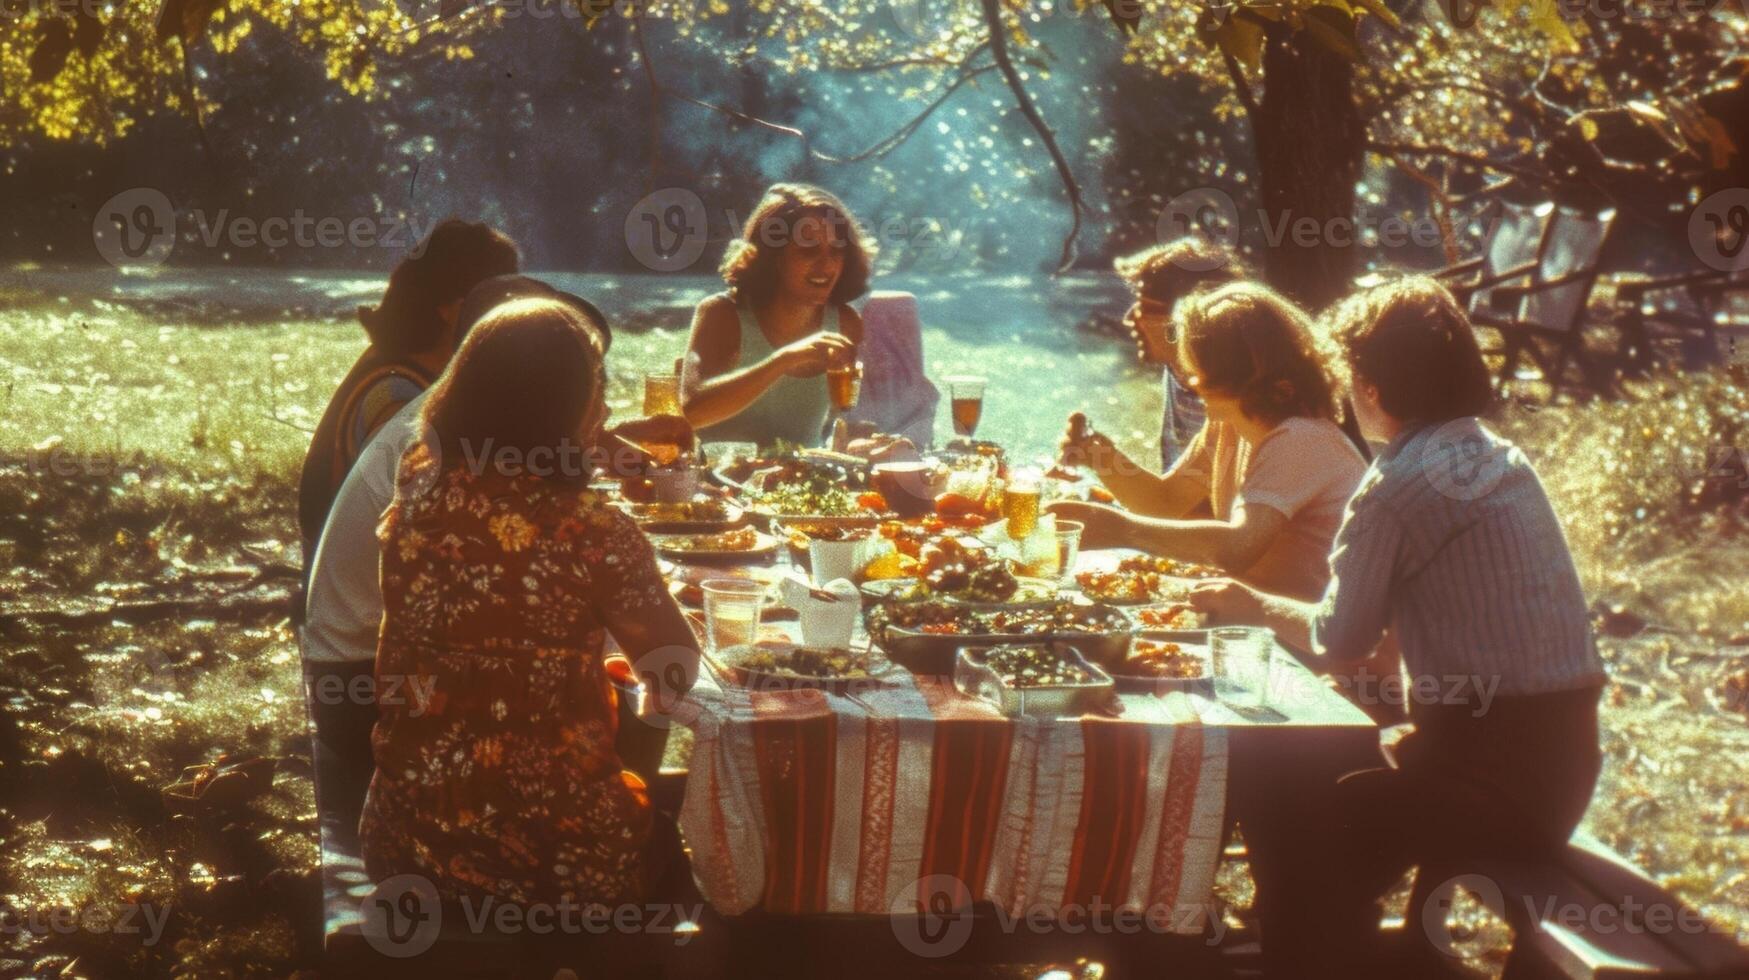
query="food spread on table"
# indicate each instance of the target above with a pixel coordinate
(934, 587)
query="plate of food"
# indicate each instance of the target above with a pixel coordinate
(773, 665)
(737, 544)
(924, 637)
(816, 499)
(786, 463)
(1166, 660)
(1033, 679)
(701, 516)
(1143, 580)
(959, 568)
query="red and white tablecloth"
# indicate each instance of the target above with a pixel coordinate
(806, 802)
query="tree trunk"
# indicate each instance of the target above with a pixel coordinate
(1311, 143)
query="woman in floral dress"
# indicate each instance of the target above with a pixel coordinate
(502, 574)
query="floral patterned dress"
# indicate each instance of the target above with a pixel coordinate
(494, 744)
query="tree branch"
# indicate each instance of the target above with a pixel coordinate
(655, 101)
(1416, 149)
(879, 148)
(999, 48)
(1441, 205)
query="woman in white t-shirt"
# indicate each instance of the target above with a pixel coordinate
(1271, 467)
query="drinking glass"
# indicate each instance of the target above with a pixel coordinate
(967, 395)
(1068, 546)
(1241, 656)
(844, 381)
(661, 394)
(1020, 499)
(731, 611)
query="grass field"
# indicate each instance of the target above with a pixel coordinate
(147, 454)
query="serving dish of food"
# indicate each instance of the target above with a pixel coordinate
(1051, 679)
(1165, 660)
(772, 665)
(700, 516)
(924, 637)
(738, 544)
(1143, 579)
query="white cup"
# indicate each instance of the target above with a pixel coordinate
(832, 560)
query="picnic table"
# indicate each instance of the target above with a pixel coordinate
(884, 799)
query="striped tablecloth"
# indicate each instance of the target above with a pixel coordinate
(807, 802)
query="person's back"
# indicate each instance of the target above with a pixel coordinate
(499, 749)
(502, 576)
(1485, 585)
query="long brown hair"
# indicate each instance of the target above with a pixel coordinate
(750, 265)
(454, 258)
(1251, 343)
(523, 381)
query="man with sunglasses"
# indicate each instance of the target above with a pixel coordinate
(344, 609)
(1160, 276)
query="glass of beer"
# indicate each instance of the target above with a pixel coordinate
(966, 393)
(844, 381)
(1020, 499)
(661, 394)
